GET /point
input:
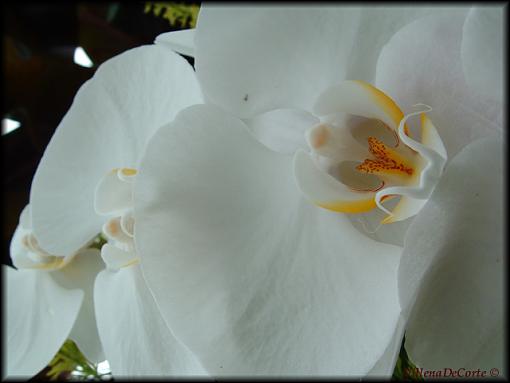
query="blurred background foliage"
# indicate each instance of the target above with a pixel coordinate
(178, 15)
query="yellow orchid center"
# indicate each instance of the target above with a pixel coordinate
(387, 161)
(363, 114)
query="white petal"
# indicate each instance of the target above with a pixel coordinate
(136, 340)
(360, 99)
(39, 315)
(482, 51)
(278, 57)
(369, 224)
(285, 56)
(20, 255)
(252, 278)
(453, 263)
(386, 364)
(431, 161)
(182, 42)
(378, 25)
(407, 207)
(127, 223)
(115, 258)
(282, 130)
(430, 136)
(422, 64)
(80, 273)
(111, 118)
(25, 219)
(112, 194)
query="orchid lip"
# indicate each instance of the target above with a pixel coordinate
(429, 176)
(381, 185)
(113, 199)
(407, 168)
(40, 259)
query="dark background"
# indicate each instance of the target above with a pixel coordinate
(40, 77)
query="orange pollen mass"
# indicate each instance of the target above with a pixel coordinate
(386, 160)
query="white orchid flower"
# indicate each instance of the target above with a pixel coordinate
(251, 276)
(83, 187)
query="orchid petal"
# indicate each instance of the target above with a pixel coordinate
(278, 57)
(452, 271)
(20, 255)
(369, 224)
(361, 99)
(377, 25)
(136, 340)
(386, 364)
(282, 130)
(482, 51)
(25, 251)
(430, 136)
(422, 64)
(286, 56)
(81, 273)
(406, 207)
(107, 126)
(182, 42)
(25, 218)
(39, 317)
(252, 278)
(432, 164)
(112, 194)
(116, 258)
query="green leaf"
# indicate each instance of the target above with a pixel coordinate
(97, 242)
(405, 369)
(179, 15)
(70, 361)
